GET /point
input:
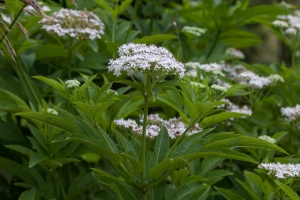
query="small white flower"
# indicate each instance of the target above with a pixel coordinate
(72, 83)
(275, 78)
(291, 31)
(231, 107)
(281, 171)
(81, 25)
(213, 68)
(236, 53)
(253, 80)
(267, 138)
(174, 126)
(197, 85)
(142, 58)
(291, 113)
(194, 30)
(280, 24)
(52, 111)
(219, 88)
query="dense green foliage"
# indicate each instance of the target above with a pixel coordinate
(61, 98)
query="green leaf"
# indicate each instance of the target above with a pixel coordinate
(23, 150)
(86, 84)
(288, 191)
(155, 38)
(55, 120)
(189, 141)
(49, 51)
(53, 83)
(220, 117)
(228, 194)
(249, 190)
(126, 144)
(27, 195)
(105, 6)
(98, 145)
(21, 171)
(120, 9)
(189, 191)
(17, 100)
(36, 158)
(170, 164)
(120, 188)
(243, 141)
(161, 146)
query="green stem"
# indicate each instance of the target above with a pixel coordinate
(26, 82)
(144, 137)
(13, 22)
(136, 5)
(70, 54)
(214, 42)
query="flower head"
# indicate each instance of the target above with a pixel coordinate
(267, 138)
(142, 58)
(281, 171)
(174, 126)
(72, 83)
(213, 68)
(52, 111)
(73, 23)
(219, 88)
(291, 113)
(193, 30)
(275, 78)
(253, 80)
(235, 53)
(231, 107)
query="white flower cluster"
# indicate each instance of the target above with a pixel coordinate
(235, 53)
(214, 68)
(290, 24)
(231, 107)
(194, 30)
(291, 113)
(258, 82)
(72, 83)
(143, 58)
(267, 138)
(52, 111)
(281, 171)
(174, 126)
(76, 24)
(275, 78)
(197, 85)
(219, 88)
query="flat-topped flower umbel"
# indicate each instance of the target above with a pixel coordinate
(82, 25)
(146, 59)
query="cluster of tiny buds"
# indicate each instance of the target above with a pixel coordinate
(52, 111)
(175, 126)
(235, 53)
(281, 171)
(213, 68)
(82, 25)
(193, 30)
(231, 107)
(72, 83)
(258, 82)
(267, 138)
(142, 58)
(219, 88)
(290, 24)
(291, 113)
